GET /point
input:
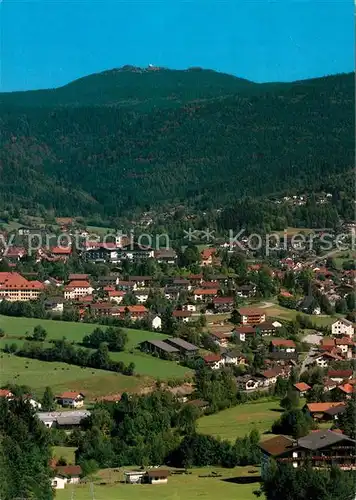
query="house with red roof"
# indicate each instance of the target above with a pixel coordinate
(245, 332)
(214, 361)
(207, 256)
(71, 399)
(302, 388)
(183, 316)
(5, 393)
(252, 316)
(205, 295)
(116, 296)
(65, 474)
(76, 289)
(282, 345)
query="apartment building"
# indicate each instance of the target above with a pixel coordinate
(16, 288)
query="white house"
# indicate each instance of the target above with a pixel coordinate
(156, 323)
(142, 296)
(342, 327)
(234, 358)
(77, 289)
(66, 474)
(189, 307)
(214, 361)
(71, 399)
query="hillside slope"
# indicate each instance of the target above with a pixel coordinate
(235, 142)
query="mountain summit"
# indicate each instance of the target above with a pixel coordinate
(125, 138)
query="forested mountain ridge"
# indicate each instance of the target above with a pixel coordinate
(97, 157)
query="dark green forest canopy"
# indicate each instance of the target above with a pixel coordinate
(128, 138)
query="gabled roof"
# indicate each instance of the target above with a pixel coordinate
(322, 407)
(340, 374)
(70, 395)
(277, 445)
(282, 343)
(5, 393)
(212, 358)
(302, 386)
(68, 470)
(320, 439)
(250, 311)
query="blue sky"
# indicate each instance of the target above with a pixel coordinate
(47, 43)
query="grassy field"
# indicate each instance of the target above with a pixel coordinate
(145, 365)
(229, 486)
(61, 376)
(13, 326)
(277, 311)
(240, 420)
(67, 452)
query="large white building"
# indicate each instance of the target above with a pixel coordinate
(342, 327)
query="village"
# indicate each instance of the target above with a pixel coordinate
(282, 329)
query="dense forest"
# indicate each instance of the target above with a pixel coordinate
(129, 138)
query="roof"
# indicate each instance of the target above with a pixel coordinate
(274, 372)
(282, 342)
(69, 470)
(14, 281)
(70, 395)
(322, 407)
(207, 253)
(78, 284)
(4, 393)
(181, 314)
(344, 341)
(302, 386)
(138, 308)
(161, 345)
(340, 373)
(202, 291)
(322, 438)
(140, 278)
(212, 358)
(250, 311)
(158, 473)
(177, 342)
(346, 388)
(61, 250)
(223, 300)
(72, 277)
(277, 445)
(245, 329)
(343, 320)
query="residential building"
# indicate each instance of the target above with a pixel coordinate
(77, 289)
(166, 256)
(183, 316)
(157, 476)
(156, 323)
(71, 399)
(302, 388)
(340, 375)
(141, 281)
(282, 345)
(317, 410)
(207, 256)
(116, 296)
(134, 476)
(246, 291)
(214, 361)
(64, 420)
(205, 295)
(223, 304)
(245, 332)
(234, 357)
(342, 328)
(5, 393)
(54, 304)
(222, 339)
(67, 474)
(320, 448)
(16, 288)
(252, 316)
